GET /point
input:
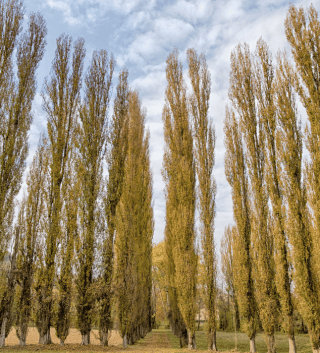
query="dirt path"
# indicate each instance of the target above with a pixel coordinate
(154, 339)
(74, 337)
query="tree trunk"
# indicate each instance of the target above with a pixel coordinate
(86, 339)
(252, 345)
(124, 342)
(9, 292)
(47, 337)
(191, 340)
(271, 345)
(213, 341)
(23, 339)
(292, 345)
(199, 315)
(41, 339)
(104, 339)
(3, 332)
(23, 334)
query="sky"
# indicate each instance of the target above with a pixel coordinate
(141, 34)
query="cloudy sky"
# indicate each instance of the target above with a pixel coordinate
(141, 34)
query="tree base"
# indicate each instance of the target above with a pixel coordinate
(252, 345)
(104, 339)
(47, 338)
(191, 340)
(86, 339)
(213, 341)
(271, 344)
(125, 341)
(22, 341)
(3, 332)
(292, 345)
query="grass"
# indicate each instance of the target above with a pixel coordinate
(163, 340)
(226, 342)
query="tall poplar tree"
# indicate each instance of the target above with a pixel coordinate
(204, 136)
(93, 138)
(69, 235)
(179, 175)
(61, 94)
(134, 229)
(290, 149)
(242, 93)
(33, 217)
(118, 145)
(265, 93)
(17, 91)
(237, 176)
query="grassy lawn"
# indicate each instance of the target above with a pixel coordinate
(226, 342)
(163, 340)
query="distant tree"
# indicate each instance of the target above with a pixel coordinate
(237, 176)
(93, 140)
(61, 94)
(116, 156)
(204, 137)
(32, 217)
(179, 176)
(227, 268)
(160, 281)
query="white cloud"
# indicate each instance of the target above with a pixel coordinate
(192, 11)
(172, 31)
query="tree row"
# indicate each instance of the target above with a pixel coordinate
(83, 227)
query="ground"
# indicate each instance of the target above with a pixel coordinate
(156, 341)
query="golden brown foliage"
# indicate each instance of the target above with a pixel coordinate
(236, 173)
(179, 176)
(116, 157)
(93, 139)
(61, 94)
(134, 231)
(204, 136)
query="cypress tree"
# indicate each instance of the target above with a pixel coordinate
(289, 145)
(179, 175)
(204, 135)
(60, 101)
(93, 135)
(237, 176)
(243, 95)
(116, 166)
